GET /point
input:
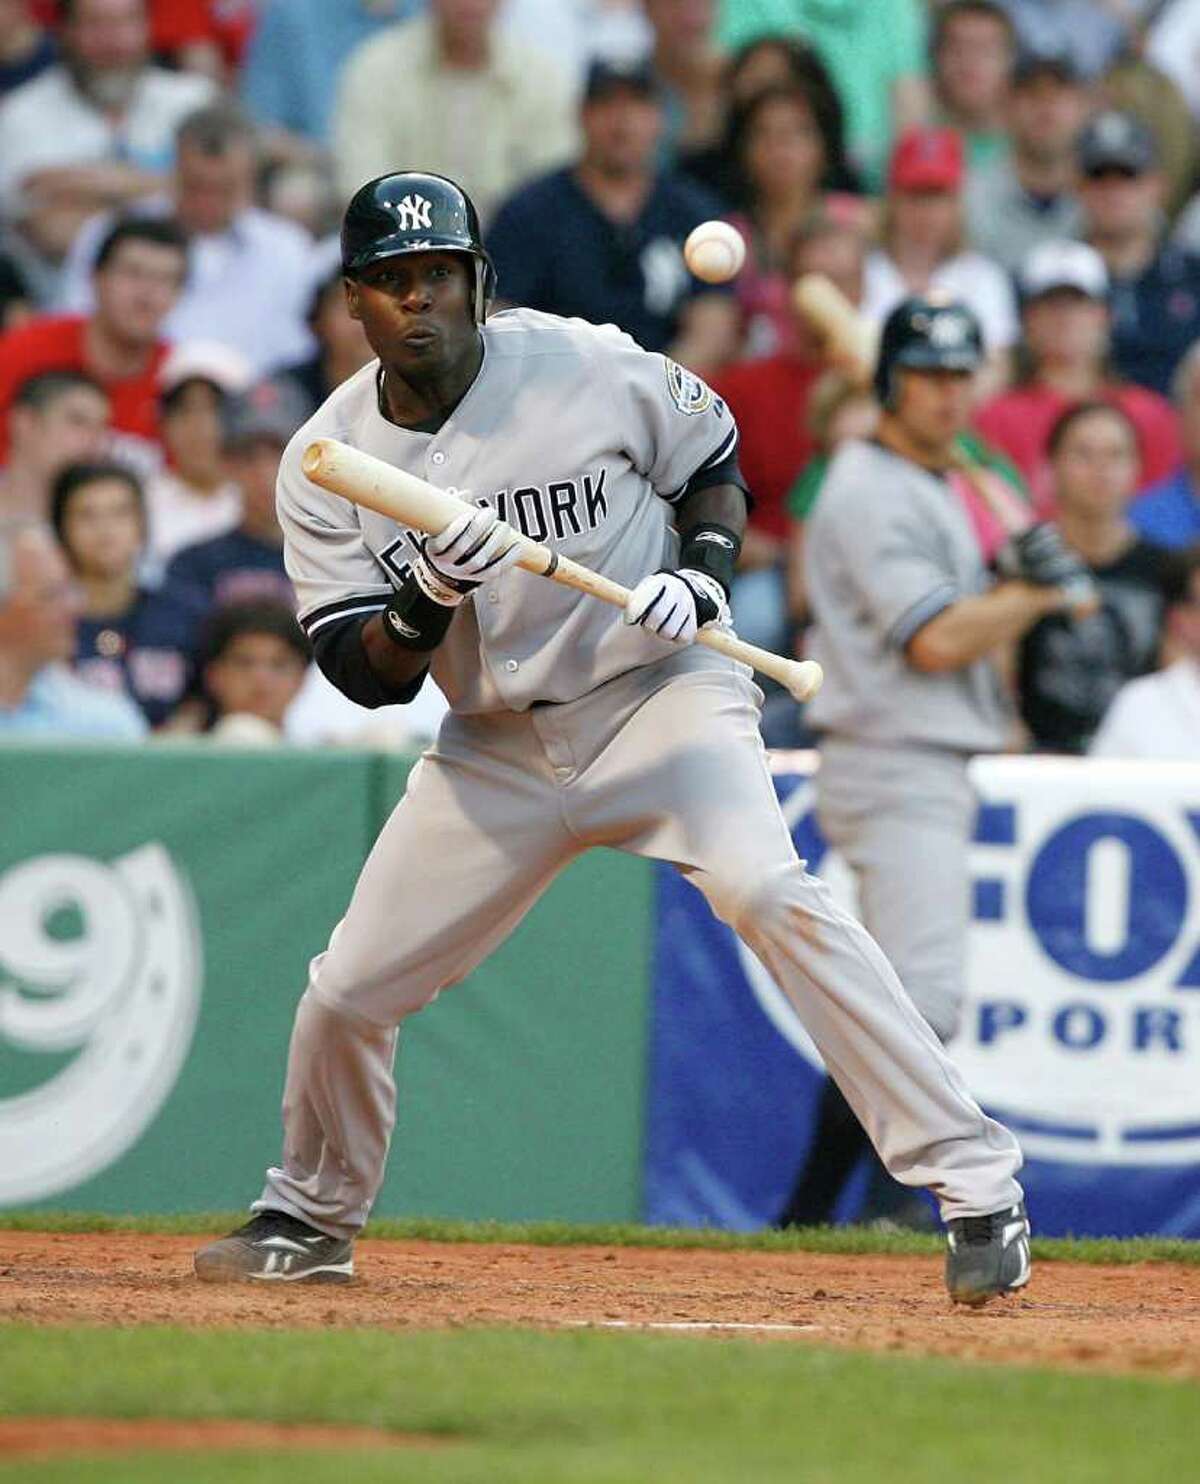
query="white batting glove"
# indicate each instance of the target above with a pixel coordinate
(676, 605)
(476, 546)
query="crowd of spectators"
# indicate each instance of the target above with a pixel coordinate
(171, 306)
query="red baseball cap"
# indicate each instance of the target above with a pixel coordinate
(927, 160)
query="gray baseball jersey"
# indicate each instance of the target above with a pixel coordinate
(887, 547)
(582, 440)
(578, 438)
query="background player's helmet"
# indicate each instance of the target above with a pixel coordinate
(926, 335)
(410, 211)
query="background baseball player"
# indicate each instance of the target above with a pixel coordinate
(907, 620)
(569, 727)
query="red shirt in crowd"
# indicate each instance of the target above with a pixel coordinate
(57, 344)
(175, 23)
(1019, 422)
(769, 402)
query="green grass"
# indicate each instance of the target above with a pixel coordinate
(593, 1408)
(848, 1241)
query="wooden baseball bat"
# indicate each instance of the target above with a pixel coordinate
(850, 342)
(403, 497)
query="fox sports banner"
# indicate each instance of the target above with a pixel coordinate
(1081, 1021)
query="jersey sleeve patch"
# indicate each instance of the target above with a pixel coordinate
(690, 394)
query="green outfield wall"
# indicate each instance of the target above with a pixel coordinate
(158, 907)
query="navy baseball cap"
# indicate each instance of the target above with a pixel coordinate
(606, 76)
(1059, 65)
(272, 410)
(1117, 141)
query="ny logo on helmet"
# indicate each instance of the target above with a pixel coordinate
(948, 330)
(412, 212)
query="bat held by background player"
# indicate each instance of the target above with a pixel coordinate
(403, 497)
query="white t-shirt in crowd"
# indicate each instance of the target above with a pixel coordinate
(980, 283)
(180, 515)
(1155, 716)
(1174, 46)
(48, 123)
(321, 715)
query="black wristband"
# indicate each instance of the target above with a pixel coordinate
(412, 620)
(712, 549)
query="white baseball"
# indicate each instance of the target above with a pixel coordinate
(714, 251)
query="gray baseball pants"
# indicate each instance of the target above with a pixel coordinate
(664, 762)
(902, 819)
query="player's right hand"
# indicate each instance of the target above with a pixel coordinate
(476, 546)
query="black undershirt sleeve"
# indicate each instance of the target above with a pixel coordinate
(727, 471)
(338, 650)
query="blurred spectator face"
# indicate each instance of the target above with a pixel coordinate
(621, 129)
(105, 43)
(1046, 114)
(1096, 465)
(681, 24)
(340, 336)
(210, 189)
(103, 530)
(39, 611)
(927, 220)
(69, 428)
(465, 22)
(1120, 203)
(783, 150)
(839, 253)
(254, 465)
(925, 179)
(933, 406)
(137, 288)
(1066, 325)
(192, 431)
(973, 65)
(255, 675)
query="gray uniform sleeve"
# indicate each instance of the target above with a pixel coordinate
(334, 574)
(899, 567)
(673, 423)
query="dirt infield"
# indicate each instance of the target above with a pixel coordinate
(54, 1437)
(1140, 1319)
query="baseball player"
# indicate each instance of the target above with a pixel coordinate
(906, 619)
(571, 725)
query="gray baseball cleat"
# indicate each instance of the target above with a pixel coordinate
(275, 1247)
(987, 1255)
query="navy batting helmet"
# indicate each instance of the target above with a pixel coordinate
(410, 211)
(926, 335)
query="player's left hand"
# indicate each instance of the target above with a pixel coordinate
(675, 605)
